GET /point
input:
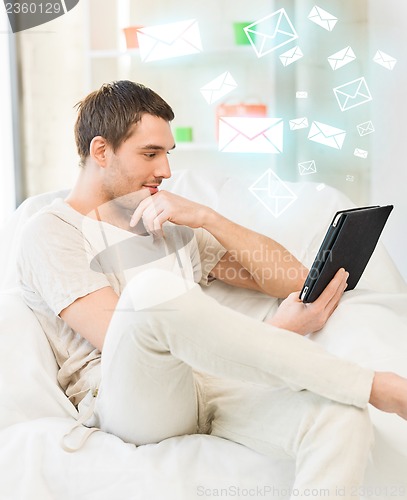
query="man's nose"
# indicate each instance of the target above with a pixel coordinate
(164, 169)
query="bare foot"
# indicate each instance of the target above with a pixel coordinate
(389, 393)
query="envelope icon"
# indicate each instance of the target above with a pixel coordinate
(291, 56)
(307, 167)
(361, 153)
(352, 94)
(298, 123)
(322, 18)
(219, 87)
(301, 94)
(250, 134)
(169, 40)
(384, 60)
(273, 193)
(270, 32)
(365, 128)
(341, 58)
(327, 135)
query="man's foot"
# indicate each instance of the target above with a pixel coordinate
(389, 393)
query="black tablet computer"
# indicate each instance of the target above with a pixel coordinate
(349, 243)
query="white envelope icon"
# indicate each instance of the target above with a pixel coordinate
(169, 40)
(352, 94)
(270, 32)
(361, 153)
(307, 167)
(327, 135)
(291, 56)
(273, 193)
(301, 94)
(341, 58)
(322, 18)
(298, 123)
(251, 135)
(384, 60)
(219, 87)
(365, 128)
(350, 178)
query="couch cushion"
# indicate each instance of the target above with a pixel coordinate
(28, 383)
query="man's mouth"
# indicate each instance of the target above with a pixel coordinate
(153, 188)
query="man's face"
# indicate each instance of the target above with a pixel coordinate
(140, 164)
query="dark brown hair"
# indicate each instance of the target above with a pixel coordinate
(112, 110)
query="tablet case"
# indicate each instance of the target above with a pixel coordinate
(348, 243)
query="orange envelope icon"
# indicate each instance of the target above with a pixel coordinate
(250, 135)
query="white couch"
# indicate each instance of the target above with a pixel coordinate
(370, 326)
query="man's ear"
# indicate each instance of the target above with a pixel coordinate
(98, 150)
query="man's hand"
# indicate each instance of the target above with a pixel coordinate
(302, 318)
(164, 206)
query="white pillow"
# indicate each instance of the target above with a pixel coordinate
(10, 235)
(28, 383)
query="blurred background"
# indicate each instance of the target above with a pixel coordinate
(215, 70)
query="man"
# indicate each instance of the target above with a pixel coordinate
(174, 360)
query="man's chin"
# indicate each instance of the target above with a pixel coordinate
(131, 200)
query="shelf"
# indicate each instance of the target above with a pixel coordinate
(114, 53)
(196, 146)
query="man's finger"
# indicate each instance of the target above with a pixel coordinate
(158, 222)
(140, 210)
(332, 288)
(149, 217)
(333, 303)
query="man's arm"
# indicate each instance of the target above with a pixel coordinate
(90, 315)
(264, 264)
(252, 260)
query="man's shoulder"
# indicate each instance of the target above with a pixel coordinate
(50, 219)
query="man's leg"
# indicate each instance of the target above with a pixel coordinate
(146, 394)
(330, 442)
(164, 326)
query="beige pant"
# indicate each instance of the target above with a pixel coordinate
(269, 389)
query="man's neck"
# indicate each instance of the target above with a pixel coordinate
(86, 195)
(87, 198)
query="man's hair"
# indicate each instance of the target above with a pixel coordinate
(112, 110)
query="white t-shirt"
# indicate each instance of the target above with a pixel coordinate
(64, 255)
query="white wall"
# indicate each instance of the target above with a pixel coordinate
(55, 76)
(7, 187)
(52, 58)
(388, 32)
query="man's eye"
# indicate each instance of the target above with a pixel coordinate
(150, 155)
